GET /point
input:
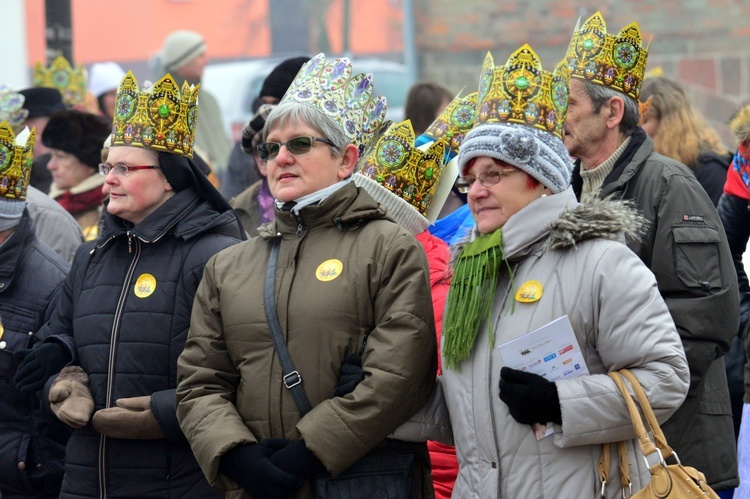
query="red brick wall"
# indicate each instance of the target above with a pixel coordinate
(702, 43)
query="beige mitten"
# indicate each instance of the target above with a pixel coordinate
(70, 397)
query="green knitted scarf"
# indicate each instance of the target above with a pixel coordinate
(475, 277)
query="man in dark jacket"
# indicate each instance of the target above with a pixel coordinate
(32, 441)
(685, 247)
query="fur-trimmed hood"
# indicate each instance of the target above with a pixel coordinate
(597, 219)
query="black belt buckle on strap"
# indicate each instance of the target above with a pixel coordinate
(292, 379)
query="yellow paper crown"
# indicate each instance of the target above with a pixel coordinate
(522, 92)
(618, 62)
(348, 99)
(71, 83)
(406, 171)
(454, 122)
(159, 118)
(16, 158)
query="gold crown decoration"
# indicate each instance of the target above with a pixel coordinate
(618, 62)
(70, 82)
(16, 158)
(522, 92)
(348, 99)
(454, 122)
(409, 173)
(160, 118)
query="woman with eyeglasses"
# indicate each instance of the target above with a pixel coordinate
(348, 280)
(526, 420)
(75, 139)
(124, 313)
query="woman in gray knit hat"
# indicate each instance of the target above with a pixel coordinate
(529, 420)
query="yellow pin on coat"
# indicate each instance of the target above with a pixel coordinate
(529, 292)
(329, 270)
(145, 286)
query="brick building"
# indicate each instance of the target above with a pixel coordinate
(702, 43)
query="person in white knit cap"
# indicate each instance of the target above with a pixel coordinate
(104, 78)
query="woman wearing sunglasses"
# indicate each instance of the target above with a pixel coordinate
(125, 308)
(348, 280)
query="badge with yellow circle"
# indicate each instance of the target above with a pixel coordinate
(529, 292)
(329, 270)
(145, 286)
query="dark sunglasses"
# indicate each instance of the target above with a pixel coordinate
(297, 145)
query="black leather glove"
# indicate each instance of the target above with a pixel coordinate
(38, 364)
(294, 457)
(249, 466)
(530, 398)
(350, 376)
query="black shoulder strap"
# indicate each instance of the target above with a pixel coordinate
(292, 378)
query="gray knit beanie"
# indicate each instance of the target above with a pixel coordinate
(180, 47)
(11, 211)
(538, 153)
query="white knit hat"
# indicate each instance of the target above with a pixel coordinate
(104, 77)
(538, 153)
(402, 212)
(180, 47)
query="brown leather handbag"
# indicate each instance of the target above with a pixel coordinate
(668, 481)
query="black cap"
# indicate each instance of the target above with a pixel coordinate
(278, 80)
(42, 101)
(78, 133)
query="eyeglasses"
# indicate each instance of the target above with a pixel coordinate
(122, 170)
(297, 145)
(487, 179)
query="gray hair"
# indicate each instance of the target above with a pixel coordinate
(599, 95)
(297, 114)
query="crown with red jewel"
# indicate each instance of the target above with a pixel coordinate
(16, 158)
(618, 62)
(522, 92)
(454, 122)
(160, 118)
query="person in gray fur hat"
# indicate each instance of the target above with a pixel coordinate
(537, 260)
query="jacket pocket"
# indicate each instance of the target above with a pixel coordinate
(696, 257)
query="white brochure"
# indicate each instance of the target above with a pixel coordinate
(551, 351)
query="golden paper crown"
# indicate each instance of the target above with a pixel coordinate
(159, 118)
(522, 92)
(454, 122)
(71, 83)
(16, 158)
(348, 99)
(618, 62)
(406, 171)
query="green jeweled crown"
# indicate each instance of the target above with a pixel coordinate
(16, 158)
(454, 122)
(348, 99)
(618, 62)
(522, 92)
(159, 118)
(71, 83)
(406, 171)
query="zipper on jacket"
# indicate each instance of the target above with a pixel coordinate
(300, 224)
(112, 351)
(337, 222)
(130, 242)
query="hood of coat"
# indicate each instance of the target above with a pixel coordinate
(346, 208)
(559, 222)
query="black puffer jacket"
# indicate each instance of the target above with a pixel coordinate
(124, 313)
(31, 275)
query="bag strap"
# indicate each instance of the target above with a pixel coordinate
(604, 463)
(659, 438)
(292, 378)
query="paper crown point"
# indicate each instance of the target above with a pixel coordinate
(69, 81)
(618, 62)
(454, 122)
(348, 99)
(522, 92)
(16, 158)
(406, 171)
(161, 118)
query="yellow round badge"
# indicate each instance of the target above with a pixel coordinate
(329, 270)
(529, 292)
(145, 286)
